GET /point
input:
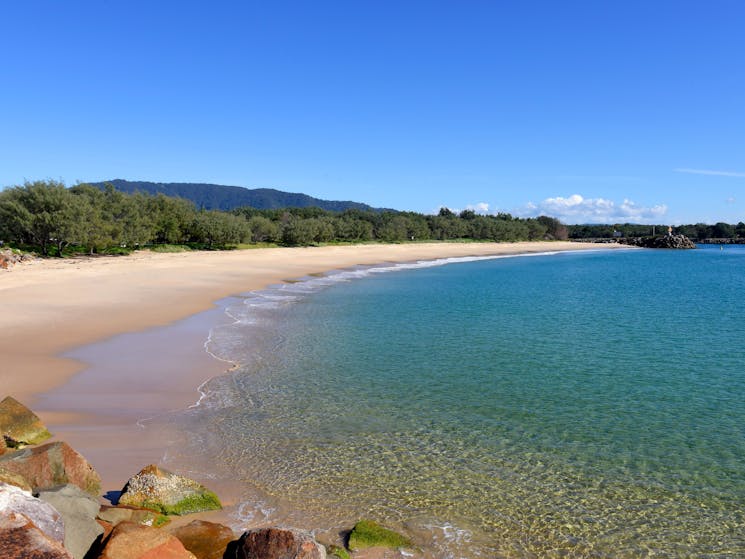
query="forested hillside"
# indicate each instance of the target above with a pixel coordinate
(47, 217)
(220, 197)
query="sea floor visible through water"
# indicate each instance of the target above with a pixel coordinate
(573, 405)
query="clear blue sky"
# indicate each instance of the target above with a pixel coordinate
(590, 111)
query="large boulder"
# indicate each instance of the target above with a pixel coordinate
(158, 489)
(135, 541)
(19, 426)
(276, 543)
(50, 465)
(21, 539)
(206, 540)
(44, 516)
(78, 510)
(138, 515)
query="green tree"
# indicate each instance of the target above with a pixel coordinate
(555, 229)
(40, 212)
(299, 232)
(216, 228)
(263, 230)
(172, 218)
(722, 230)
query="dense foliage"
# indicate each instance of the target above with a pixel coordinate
(695, 232)
(220, 197)
(50, 218)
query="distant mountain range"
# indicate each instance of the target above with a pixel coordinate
(220, 197)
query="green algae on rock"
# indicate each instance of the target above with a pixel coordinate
(339, 552)
(19, 426)
(367, 533)
(163, 491)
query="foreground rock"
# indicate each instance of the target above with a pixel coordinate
(135, 541)
(8, 258)
(276, 543)
(14, 479)
(206, 540)
(158, 489)
(44, 516)
(667, 241)
(50, 465)
(21, 539)
(19, 426)
(78, 510)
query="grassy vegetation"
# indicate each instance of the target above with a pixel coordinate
(250, 246)
(169, 248)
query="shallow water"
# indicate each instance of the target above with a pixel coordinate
(577, 404)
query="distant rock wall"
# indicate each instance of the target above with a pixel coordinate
(668, 241)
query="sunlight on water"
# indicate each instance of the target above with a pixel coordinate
(568, 405)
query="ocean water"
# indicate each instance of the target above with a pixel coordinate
(559, 405)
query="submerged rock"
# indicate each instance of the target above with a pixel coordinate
(367, 533)
(206, 540)
(19, 426)
(276, 543)
(135, 541)
(78, 510)
(50, 465)
(21, 539)
(158, 489)
(43, 515)
(138, 515)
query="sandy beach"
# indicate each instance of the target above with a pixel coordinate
(148, 316)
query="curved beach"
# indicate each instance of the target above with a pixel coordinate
(50, 306)
(148, 316)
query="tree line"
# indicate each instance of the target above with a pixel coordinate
(695, 232)
(49, 217)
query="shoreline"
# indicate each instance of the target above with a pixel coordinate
(84, 380)
(53, 306)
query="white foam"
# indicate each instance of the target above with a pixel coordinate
(251, 513)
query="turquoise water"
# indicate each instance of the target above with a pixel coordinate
(578, 404)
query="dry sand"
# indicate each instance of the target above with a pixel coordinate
(93, 396)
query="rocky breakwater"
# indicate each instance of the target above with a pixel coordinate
(666, 241)
(50, 507)
(8, 258)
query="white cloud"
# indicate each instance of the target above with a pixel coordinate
(710, 172)
(480, 208)
(577, 209)
(730, 200)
